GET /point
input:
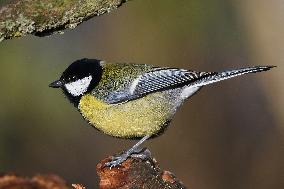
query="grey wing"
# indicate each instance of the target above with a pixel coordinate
(159, 79)
(172, 78)
(163, 79)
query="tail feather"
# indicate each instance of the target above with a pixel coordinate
(212, 77)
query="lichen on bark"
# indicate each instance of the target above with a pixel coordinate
(44, 17)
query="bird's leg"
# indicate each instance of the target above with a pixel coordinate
(133, 151)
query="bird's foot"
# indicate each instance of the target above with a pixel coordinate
(116, 160)
(134, 150)
(137, 153)
(143, 154)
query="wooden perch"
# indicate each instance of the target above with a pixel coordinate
(134, 173)
(38, 182)
(44, 17)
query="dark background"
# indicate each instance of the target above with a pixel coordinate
(230, 135)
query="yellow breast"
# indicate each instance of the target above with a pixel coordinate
(136, 118)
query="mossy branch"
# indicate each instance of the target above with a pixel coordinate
(44, 17)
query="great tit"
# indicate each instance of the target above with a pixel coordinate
(135, 101)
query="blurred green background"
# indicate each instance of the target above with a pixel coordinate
(230, 135)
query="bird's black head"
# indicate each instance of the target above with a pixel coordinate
(79, 78)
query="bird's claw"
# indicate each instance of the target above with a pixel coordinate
(143, 154)
(118, 160)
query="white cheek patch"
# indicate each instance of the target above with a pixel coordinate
(78, 87)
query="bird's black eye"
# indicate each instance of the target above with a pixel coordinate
(74, 78)
(71, 79)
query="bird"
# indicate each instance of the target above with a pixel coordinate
(133, 101)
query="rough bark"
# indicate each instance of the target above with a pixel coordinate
(10, 181)
(134, 173)
(44, 17)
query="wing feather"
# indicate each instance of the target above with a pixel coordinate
(162, 79)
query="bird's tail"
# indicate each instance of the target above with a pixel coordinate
(212, 77)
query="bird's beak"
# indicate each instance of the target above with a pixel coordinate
(56, 84)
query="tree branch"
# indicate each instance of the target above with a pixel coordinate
(10, 181)
(44, 17)
(134, 173)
